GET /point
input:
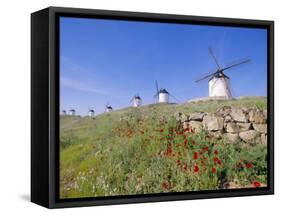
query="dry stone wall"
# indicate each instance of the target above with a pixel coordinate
(232, 124)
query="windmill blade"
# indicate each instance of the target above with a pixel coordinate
(214, 57)
(232, 93)
(236, 64)
(174, 97)
(157, 90)
(214, 83)
(205, 77)
(227, 87)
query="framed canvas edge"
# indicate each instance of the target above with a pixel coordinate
(53, 98)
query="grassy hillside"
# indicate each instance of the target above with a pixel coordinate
(144, 150)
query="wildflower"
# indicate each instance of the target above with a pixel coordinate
(256, 184)
(216, 152)
(166, 185)
(216, 159)
(249, 165)
(185, 166)
(196, 168)
(195, 155)
(161, 130)
(205, 148)
(179, 163)
(214, 170)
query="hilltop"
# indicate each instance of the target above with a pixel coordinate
(139, 150)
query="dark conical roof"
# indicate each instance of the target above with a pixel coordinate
(162, 90)
(219, 75)
(137, 97)
(109, 107)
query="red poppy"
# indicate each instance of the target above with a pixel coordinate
(185, 142)
(195, 155)
(216, 152)
(196, 168)
(249, 165)
(219, 162)
(256, 184)
(179, 163)
(161, 130)
(216, 159)
(205, 148)
(166, 185)
(214, 170)
(185, 166)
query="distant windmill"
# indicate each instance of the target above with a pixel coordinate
(219, 83)
(163, 95)
(136, 100)
(72, 112)
(108, 108)
(63, 112)
(91, 112)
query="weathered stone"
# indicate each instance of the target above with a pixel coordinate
(177, 115)
(197, 116)
(213, 123)
(257, 116)
(232, 137)
(239, 115)
(225, 110)
(196, 125)
(243, 126)
(184, 118)
(227, 119)
(264, 139)
(185, 125)
(250, 136)
(231, 127)
(181, 117)
(265, 114)
(216, 134)
(262, 128)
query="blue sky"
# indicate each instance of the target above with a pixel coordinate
(109, 61)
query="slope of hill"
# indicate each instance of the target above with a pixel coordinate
(145, 150)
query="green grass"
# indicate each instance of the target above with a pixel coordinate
(144, 150)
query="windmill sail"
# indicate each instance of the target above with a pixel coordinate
(219, 83)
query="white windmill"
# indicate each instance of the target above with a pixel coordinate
(63, 112)
(162, 94)
(91, 113)
(219, 83)
(72, 112)
(108, 108)
(136, 101)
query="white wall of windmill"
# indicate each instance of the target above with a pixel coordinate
(108, 110)
(91, 114)
(219, 87)
(163, 98)
(72, 113)
(136, 102)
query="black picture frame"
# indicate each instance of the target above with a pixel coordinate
(45, 106)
